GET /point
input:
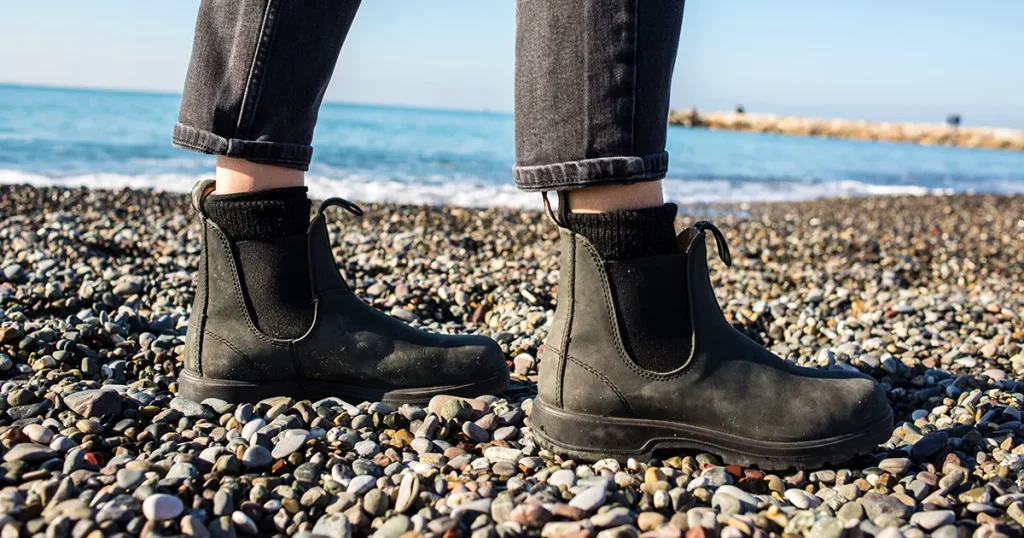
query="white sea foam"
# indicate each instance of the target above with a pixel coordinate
(471, 194)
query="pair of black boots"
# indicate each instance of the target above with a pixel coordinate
(639, 357)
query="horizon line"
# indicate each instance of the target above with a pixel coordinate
(168, 93)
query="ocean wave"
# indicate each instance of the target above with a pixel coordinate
(472, 194)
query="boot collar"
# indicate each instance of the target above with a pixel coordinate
(324, 273)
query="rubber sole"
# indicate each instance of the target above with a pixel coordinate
(591, 438)
(197, 389)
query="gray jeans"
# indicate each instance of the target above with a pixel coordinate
(591, 91)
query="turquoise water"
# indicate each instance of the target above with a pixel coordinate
(112, 139)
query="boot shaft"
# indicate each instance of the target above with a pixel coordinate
(637, 316)
(223, 338)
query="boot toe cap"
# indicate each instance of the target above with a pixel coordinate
(858, 404)
(475, 357)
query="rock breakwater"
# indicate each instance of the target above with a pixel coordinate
(915, 133)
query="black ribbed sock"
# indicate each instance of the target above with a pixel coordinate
(634, 233)
(268, 230)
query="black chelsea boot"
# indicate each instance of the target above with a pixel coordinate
(641, 359)
(351, 350)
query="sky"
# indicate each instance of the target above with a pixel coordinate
(908, 60)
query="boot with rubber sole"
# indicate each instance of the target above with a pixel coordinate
(351, 350)
(715, 390)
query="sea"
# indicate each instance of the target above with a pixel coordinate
(116, 139)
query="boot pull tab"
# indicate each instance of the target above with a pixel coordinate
(723, 247)
(199, 191)
(563, 207)
(340, 202)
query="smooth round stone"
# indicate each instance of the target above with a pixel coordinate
(506, 433)
(361, 484)
(590, 499)
(243, 523)
(801, 499)
(29, 452)
(648, 521)
(218, 405)
(288, 445)
(933, 519)
(252, 427)
(62, 444)
(929, 445)
(210, 454)
(367, 449)
(307, 473)
(161, 507)
(182, 470)
(896, 466)
(394, 527)
(421, 445)
(38, 433)
(129, 478)
(476, 433)
(408, 490)
(87, 425)
(333, 525)
(850, 511)
(562, 477)
(243, 413)
(256, 457)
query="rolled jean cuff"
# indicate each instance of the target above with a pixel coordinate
(295, 156)
(590, 172)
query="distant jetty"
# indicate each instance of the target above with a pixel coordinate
(915, 133)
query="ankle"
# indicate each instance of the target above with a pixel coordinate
(238, 176)
(605, 198)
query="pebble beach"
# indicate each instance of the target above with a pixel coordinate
(925, 294)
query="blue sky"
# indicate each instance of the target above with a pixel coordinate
(914, 60)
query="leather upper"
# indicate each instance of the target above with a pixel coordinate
(349, 340)
(724, 382)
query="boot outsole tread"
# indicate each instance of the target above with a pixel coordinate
(591, 438)
(197, 388)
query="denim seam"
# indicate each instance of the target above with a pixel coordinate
(254, 84)
(636, 37)
(588, 172)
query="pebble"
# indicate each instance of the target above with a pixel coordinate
(89, 393)
(333, 525)
(129, 478)
(94, 403)
(361, 484)
(161, 507)
(243, 523)
(287, 446)
(256, 457)
(39, 433)
(932, 520)
(589, 499)
(29, 453)
(801, 499)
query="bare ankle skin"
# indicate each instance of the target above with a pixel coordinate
(607, 198)
(237, 175)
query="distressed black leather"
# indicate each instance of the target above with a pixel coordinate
(349, 342)
(723, 382)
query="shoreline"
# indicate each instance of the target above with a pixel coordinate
(925, 134)
(924, 294)
(683, 192)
